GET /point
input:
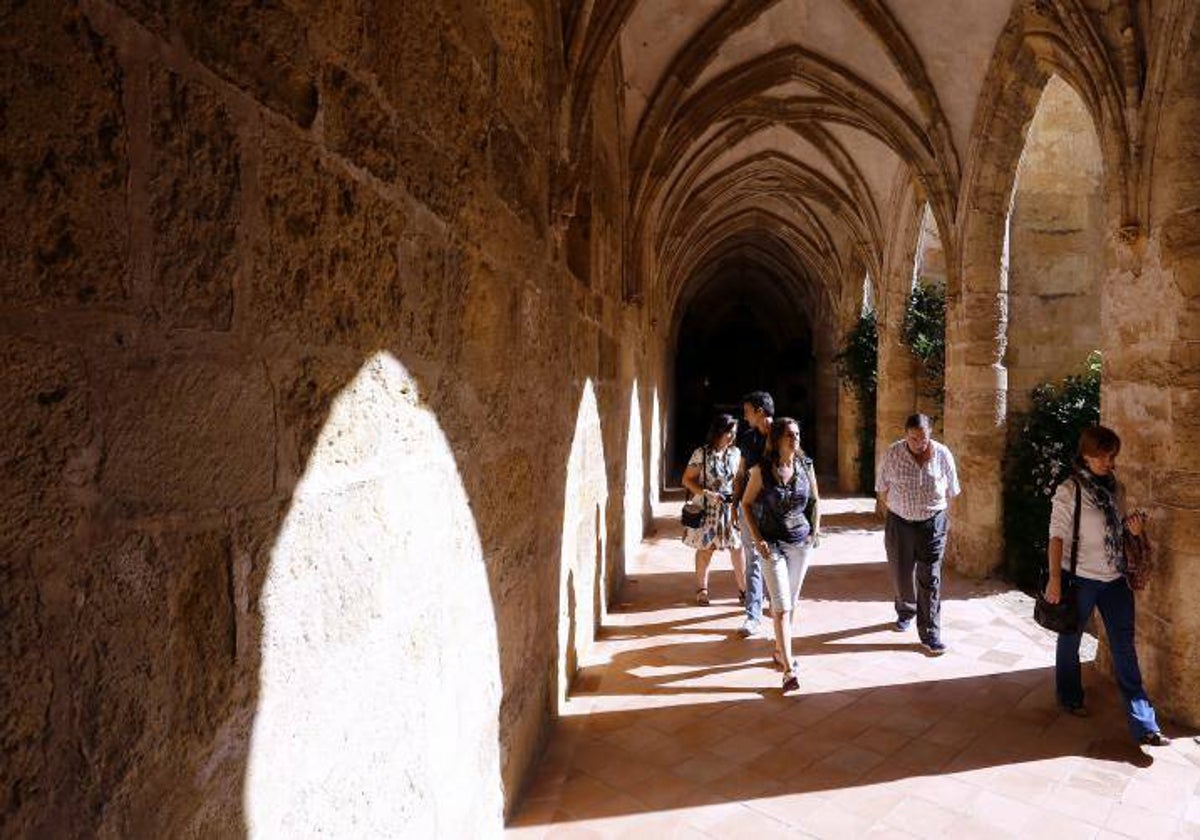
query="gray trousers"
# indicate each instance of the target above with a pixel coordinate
(914, 552)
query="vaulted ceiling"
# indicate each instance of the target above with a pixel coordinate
(779, 130)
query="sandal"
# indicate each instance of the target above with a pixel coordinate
(790, 681)
(702, 596)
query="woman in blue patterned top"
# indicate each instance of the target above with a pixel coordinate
(777, 499)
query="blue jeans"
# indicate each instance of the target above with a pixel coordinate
(1115, 601)
(754, 575)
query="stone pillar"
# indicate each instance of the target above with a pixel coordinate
(897, 397)
(848, 449)
(976, 390)
(1151, 393)
(828, 396)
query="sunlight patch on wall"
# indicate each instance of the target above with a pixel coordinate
(656, 450)
(380, 683)
(581, 581)
(635, 478)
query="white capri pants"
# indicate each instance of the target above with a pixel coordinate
(784, 568)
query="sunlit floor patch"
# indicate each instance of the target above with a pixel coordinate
(677, 728)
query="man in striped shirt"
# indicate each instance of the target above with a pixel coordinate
(916, 480)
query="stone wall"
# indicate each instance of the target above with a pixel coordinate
(293, 366)
(1151, 389)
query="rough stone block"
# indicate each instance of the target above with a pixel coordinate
(432, 81)
(357, 125)
(328, 265)
(153, 14)
(185, 434)
(195, 193)
(518, 175)
(64, 163)
(1176, 489)
(203, 643)
(339, 26)
(26, 692)
(261, 47)
(50, 454)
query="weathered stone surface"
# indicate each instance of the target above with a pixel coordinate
(195, 189)
(358, 125)
(64, 235)
(50, 454)
(262, 48)
(337, 25)
(328, 266)
(185, 434)
(153, 14)
(518, 175)
(428, 76)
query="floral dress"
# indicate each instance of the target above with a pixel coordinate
(719, 529)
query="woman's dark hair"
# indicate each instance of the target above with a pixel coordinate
(1097, 440)
(779, 427)
(720, 424)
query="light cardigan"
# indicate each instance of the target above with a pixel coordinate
(1092, 562)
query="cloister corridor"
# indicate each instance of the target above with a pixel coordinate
(675, 726)
(349, 348)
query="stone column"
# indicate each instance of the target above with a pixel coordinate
(897, 396)
(1151, 393)
(976, 391)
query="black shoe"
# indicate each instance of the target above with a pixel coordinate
(902, 624)
(1155, 739)
(934, 647)
(1079, 711)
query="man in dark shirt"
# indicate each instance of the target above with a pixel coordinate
(758, 409)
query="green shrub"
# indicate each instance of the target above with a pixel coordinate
(1037, 458)
(925, 335)
(858, 368)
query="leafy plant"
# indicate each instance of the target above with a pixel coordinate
(1037, 458)
(925, 334)
(858, 368)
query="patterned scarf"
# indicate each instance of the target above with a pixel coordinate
(1102, 490)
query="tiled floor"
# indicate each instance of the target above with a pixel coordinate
(677, 727)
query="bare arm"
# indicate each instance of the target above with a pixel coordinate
(816, 523)
(1054, 563)
(691, 480)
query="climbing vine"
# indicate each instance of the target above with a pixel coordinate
(925, 334)
(1037, 458)
(858, 368)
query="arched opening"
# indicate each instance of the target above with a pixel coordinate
(1055, 246)
(740, 330)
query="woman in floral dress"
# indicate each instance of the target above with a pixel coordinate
(709, 478)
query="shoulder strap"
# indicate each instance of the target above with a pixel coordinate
(1075, 526)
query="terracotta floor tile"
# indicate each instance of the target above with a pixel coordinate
(1135, 821)
(676, 726)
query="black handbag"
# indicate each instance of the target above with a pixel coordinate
(692, 516)
(1062, 617)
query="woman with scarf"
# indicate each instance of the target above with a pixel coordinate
(779, 492)
(1099, 580)
(709, 477)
